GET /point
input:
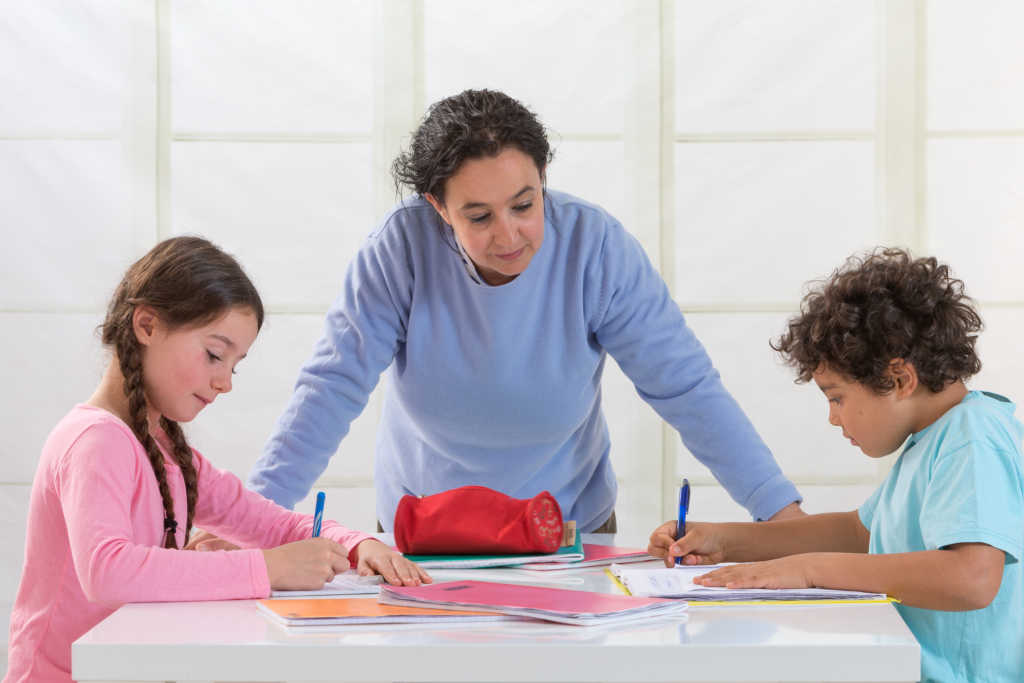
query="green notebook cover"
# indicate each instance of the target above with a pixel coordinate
(569, 553)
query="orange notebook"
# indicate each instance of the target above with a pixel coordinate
(312, 613)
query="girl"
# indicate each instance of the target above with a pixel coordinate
(118, 488)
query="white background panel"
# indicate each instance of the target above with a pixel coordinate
(713, 504)
(975, 64)
(52, 362)
(791, 418)
(783, 65)
(14, 508)
(351, 507)
(62, 65)
(999, 347)
(241, 65)
(754, 221)
(637, 510)
(67, 240)
(293, 214)
(593, 171)
(233, 431)
(976, 213)
(521, 49)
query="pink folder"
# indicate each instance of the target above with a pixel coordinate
(552, 604)
(594, 556)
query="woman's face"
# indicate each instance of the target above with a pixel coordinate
(495, 205)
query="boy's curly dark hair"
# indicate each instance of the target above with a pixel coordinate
(882, 306)
(471, 125)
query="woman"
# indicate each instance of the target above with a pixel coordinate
(494, 302)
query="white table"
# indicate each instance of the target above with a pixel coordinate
(232, 641)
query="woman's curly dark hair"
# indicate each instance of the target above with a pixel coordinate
(879, 307)
(471, 125)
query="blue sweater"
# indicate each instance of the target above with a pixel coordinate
(501, 386)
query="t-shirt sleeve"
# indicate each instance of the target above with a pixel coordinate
(975, 495)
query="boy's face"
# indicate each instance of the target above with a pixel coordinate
(877, 423)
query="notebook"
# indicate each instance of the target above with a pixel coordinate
(594, 556)
(581, 608)
(569, 553)
(346, 583)
(677, 582)
(318, 614)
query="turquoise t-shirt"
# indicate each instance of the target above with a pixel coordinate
(959, 480)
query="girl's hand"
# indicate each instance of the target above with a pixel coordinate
(703, 543)
(305, 565)
(204, 540)
(785, 572)
(373, 557)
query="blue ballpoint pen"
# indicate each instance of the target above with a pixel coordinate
(318, 513)
(684, 507)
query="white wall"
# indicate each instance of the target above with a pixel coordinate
(750, 147)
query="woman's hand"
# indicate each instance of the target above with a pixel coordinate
(703, 543)
(204, 540)
(784, 572)
(373, 557)
(305, 565)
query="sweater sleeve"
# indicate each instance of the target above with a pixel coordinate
(97, 481)
(639, 324)
(229, 510)
(363, 330)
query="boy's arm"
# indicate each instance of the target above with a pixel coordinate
(837, 532)
(964, 576)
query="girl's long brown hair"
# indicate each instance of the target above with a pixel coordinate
(187, 282)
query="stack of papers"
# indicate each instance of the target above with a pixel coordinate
(569, 553)
(677, 582)
(347, 583)
(330, 613)
(594, 556)
(580, 608)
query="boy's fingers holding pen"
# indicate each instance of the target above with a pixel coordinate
(661, 539)
(700, 545)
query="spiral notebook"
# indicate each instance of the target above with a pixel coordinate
(677, 582)
(346, 583)
(314, 614)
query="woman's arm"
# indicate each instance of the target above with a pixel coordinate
(641, 326)
(362, 333)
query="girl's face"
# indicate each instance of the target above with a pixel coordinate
(187, 368)
(495, 205)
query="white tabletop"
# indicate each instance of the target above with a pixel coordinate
(232, 641)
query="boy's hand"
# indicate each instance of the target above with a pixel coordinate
(702, 544)
(305, 565)
(785, 572)
(373, 557)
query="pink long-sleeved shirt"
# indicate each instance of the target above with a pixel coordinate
(95, 530)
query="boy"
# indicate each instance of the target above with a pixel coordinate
(890, 340)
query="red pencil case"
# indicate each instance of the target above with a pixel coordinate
(476, 520)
